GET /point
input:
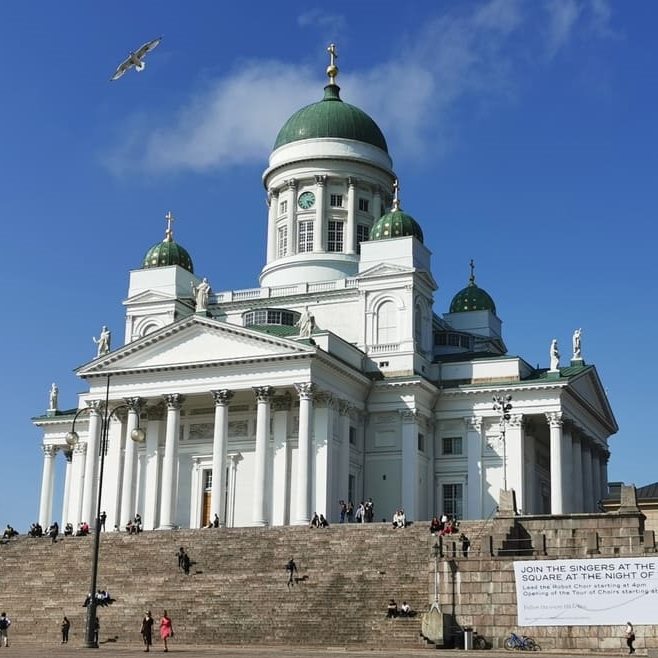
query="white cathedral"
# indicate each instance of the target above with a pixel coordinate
(334, 379)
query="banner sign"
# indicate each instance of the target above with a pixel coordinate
(596, 592)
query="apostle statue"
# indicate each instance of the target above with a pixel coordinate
(306, 323)
(201, 295)
(103, 341)
(52, 396)
(577, 354)
(555, 355)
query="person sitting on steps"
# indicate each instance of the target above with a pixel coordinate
(392, 609)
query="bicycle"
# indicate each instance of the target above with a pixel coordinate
(521, 642)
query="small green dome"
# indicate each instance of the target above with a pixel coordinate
(472, 298)
(331, 118)
(395, 224)
(167, 252)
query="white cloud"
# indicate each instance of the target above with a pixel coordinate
(562, 16)
(457, 57)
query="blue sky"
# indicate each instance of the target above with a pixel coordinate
(524, 136)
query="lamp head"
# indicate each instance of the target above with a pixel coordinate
(72, 438)
(138, 435)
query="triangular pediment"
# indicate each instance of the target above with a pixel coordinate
(149, 297)
(384, 269)
(588, 390)
(195, 342)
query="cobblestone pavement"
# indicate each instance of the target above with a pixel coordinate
(31, 651)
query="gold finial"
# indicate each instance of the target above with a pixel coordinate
(471, 279)
(332, 69)
(169, 234)
(396, 197)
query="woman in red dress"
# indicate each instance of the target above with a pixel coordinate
(166, 629)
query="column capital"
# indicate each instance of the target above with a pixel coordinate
(554, 418)
(135, 404)
(321, 180)
(96, 405)
(409, 415)
(352, 182)
(174, 400)
(264, 393)
(156, 411)
(305, 390)
(323, 399)
(291, 183)
(222, 396)
(80, 449)
(49, 450)
(473, 423)
(345, 407)
(515, 421)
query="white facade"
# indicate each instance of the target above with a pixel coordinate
(385, 399)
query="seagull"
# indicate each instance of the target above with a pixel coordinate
(136, 59)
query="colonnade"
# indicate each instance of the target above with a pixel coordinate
(271, 505)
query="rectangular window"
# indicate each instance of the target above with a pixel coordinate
(352, 435)
(336, 200)
(282, 241)
(362, 235)
(452, 445)
(421, 443)
(305, 237)
(283, 207)
(453, 340)
(364, 204)
(335, 236)
(453, 501)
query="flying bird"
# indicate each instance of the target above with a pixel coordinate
(136, 59)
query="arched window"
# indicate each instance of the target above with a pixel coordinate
(418, 325)
(387, 323)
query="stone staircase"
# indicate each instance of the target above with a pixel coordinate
(237, 590)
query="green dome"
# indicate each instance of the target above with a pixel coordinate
(331, 118)
(167, 253)
(472, 298)
(395, 224)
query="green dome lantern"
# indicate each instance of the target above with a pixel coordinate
(331, 117)
(472, 298)
(396, 224)
(168, 252)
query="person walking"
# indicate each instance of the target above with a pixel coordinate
(630, 637)
(291, 568)
(147, 630)
(65, 626)
(5, 623)
(166, 629)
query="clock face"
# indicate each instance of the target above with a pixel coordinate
(306, 200)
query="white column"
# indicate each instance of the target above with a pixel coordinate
(530, 504)
(78, 466)
(577, 474)
(588, 496)
(344, 408)
(320, 228)
(129, 483)
(170, 462)
(281, 461)
(596, 478)
(152, 457)
(323, 438)
(603, 465)
(219, 452)
(409, 493)
(88, 512)
(68, 479)
(263, 399)
(234, 460)
(474, 468)
(377, 203)
(350, 228)
(303, 499)
(291, 196)
(557, 478)
(273, 210)
(47, 485)
(515, 446)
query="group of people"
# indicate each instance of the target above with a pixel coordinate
(399, 519)
(446, 525)
(404, 610)
(319, 521)
(146, 630)
(134, 526)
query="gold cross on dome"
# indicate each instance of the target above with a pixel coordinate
(170, 218)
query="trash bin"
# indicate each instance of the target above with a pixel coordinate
(468, 639)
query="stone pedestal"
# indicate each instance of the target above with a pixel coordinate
(434, 626)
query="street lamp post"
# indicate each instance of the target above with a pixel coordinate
(436, 550)
(503, 406)
(138, 435)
